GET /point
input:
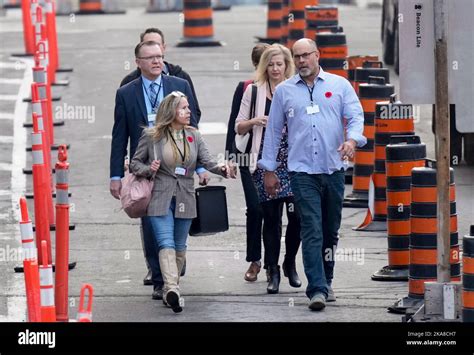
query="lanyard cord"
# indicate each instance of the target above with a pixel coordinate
(310, 91)
(270, 88)
(183, 156)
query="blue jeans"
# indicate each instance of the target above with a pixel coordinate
(170, 232)
(151, 253)
(318, 198)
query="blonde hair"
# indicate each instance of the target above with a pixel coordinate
(164, 117)
(268, 54)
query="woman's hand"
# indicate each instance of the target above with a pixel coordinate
(155, 165)
(229, 170)
(260, 121)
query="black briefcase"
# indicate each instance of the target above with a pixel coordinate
(211, 205)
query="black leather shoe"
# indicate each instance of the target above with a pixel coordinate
(157, 293)
(274, 284)
(289, 270)
(147, 280)
(183, 271)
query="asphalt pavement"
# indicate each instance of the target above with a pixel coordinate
(106, 243)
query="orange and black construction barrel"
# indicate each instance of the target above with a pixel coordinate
(285, 13)
(319, 16)
(99, 7)
(368, 69)
(198, 30)
(274, 22)
(391, 118)
(423, 235)
(332, 45)
(403, 153)
(355, 61)
(468, 277)
(374, 91)
(334, 66)
(296, 21)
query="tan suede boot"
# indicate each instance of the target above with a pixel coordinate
(180, 260)
(169, 271)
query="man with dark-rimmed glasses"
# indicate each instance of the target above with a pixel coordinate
(314, 104)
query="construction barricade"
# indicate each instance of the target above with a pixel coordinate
(30, 265)
(423, 237)
(274, 22)
(297, 22)
(41, 190)
(390, 119)
(368, 69)
(403, 153)
(99, 7)
(356, 61)
(468, 277)
(48, 310)
(319, 16)
(198, 29)
(364, 159)
(62, 235)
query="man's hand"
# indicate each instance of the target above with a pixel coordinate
(115, 188)
(271, 183)
(204, 178)
(347, 149)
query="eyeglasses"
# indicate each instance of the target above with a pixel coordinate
(177, 94)
(150, 59)
(303, 55)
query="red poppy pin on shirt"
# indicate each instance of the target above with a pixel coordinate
(190, 139)
(328, 94)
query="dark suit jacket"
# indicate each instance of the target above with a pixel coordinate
(130, 117)
(173, 70)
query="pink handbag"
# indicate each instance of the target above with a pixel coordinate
(136, 193)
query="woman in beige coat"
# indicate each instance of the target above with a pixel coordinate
(171, 150)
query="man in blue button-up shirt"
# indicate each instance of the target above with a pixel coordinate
(314, 104)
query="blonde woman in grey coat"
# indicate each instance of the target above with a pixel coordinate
(171, 149)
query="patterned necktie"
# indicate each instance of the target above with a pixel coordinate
(153, 96)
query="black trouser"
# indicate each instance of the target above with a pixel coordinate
(272, 215)
(254, 216)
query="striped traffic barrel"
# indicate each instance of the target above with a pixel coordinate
(403, 153)
(468, 277)
(332, 45)
(374, 91)
(274, 15)
(368, 69)
(355, 61)
(296, 22)
(319, 16)
(423, 234)
(334, 66)
(285, 12)
(90, 6)
(198, 29)
(390, 119)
